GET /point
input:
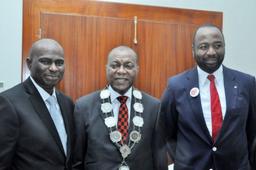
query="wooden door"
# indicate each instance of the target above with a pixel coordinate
(89, 30)
(164, 49)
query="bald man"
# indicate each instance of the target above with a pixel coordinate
(35, 118)
(117, 127)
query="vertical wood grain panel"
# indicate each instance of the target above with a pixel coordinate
(86, 43)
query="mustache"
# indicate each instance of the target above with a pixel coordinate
(54, 74)
(120, 77)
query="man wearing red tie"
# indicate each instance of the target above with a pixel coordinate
(209, 111)
(117, 127)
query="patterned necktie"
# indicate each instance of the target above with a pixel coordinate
(215, 108)
(123, 118)
(58, 121)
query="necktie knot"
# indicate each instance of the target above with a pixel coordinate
(122, 99)
(51, 100)
(211, 77)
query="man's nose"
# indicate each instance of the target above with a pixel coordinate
(121, 69)
(53, 67)
(211, 51)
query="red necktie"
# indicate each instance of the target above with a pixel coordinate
(215, 108)
(123, 118)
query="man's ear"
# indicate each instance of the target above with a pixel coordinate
(137, 70)
(29, 62)
(193, 51)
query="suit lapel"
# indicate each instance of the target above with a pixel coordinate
(231, 92)
(42, 111)
(130, 118)
(98, 109)
(64, 109)
(195, 102)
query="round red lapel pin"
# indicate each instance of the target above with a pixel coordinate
(194, 92)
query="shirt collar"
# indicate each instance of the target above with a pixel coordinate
(202, 75)
(115, 94)
(41, 91)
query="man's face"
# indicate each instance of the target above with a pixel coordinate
(121, 70)
(209, 48)
(47, 67)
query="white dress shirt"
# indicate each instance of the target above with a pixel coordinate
(204, 86)
(44, 94)
(116, 104)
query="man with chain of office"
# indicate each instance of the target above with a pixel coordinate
(117, 128)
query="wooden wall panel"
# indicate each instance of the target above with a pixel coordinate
(155, 54)
(85, 59)
(88, 30)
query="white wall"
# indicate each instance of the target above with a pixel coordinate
(239, 30)
(10, 42)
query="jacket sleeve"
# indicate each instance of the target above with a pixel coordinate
(251, 125)
(159, 145)
(9, 132)
(169, 118)
(80, 139)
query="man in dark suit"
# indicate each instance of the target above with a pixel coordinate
(36, 134)
(117, 127)
(210, 123)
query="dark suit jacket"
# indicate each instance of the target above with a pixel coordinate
(95, 151)
(28, 137)
(186, 128)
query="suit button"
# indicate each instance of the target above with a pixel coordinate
(214, 149)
